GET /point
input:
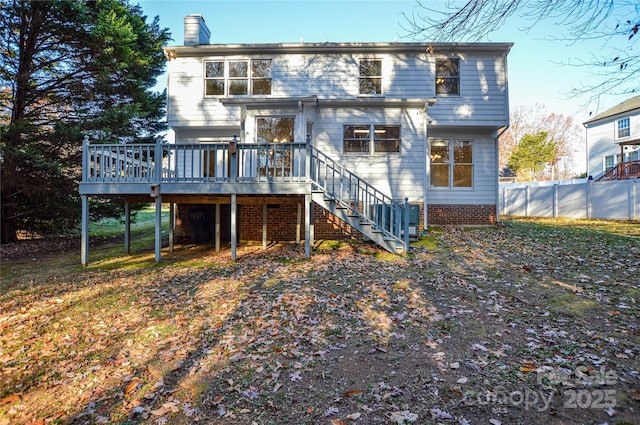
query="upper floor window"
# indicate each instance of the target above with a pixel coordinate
(238, 78)
(448, 76)
(623, 128)
(366, 138)
(370, 76)
(451, 163)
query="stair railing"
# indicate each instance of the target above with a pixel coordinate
(370, 205)
(621, 170)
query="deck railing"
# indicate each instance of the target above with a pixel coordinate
(194, 162)
(361, 198)
(623, 170)
(247, 163)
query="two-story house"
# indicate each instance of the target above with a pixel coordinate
(372, 140)
(613, 142)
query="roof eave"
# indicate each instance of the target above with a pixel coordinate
(275, 48)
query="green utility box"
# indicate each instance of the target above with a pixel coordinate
(382, 217)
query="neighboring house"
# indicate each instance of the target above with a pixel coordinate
(613, 142)
(333, 136)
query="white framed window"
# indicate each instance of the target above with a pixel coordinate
(451, 163)
(370, 76)
(276, 160)
(238, 77)
(610, 161)
(371, 138)
(447, 76)
(275, 129)
(623, 128)
(214, 78)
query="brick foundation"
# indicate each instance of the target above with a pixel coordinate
(196, 223)
(461, 214)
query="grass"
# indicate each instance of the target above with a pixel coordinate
(142, 221)
(275, 337)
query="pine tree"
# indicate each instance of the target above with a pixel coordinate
(533, 154)
(69, 68)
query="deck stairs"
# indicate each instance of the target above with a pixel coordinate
(376, 215)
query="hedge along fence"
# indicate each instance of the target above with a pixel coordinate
(609, 200)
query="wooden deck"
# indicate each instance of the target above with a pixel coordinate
(222, 172)
(195, 169)
(621, 171)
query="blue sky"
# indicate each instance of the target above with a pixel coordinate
(537, 74)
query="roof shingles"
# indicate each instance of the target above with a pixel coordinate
(626, 106)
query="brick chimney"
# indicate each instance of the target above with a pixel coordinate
(195, 31)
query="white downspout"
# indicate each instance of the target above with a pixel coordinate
(498, 134)
(427, 168)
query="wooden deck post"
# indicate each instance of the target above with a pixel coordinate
(172, 224)
(158, 227)
(217, 227)
(264, 226)
(127, 227)
(298, 222)
(84, 232)
(234, 236)
(312, 219)
(307, 224)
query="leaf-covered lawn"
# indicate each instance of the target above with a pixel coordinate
(533, 322)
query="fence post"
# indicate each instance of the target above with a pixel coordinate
(526, 201)
(632, 199)
(635, 199)
(589, 198)
(555, 200)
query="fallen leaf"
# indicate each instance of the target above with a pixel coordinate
(295, 377)
(10, 399)
(351, 393)
(403, 416)
(337, 422)
(133, 385)
(331, 411)
(160, 412)
(354, 416)
(636, 395)
(440, 414)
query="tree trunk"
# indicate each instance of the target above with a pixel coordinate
(7, 222)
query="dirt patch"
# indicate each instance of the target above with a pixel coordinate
(519, 324)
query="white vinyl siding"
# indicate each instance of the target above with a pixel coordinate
(483, 86)
(481, 108)
(398, 175)
(602, 140)
(485, 177)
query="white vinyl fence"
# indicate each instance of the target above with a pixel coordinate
(611, 200)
